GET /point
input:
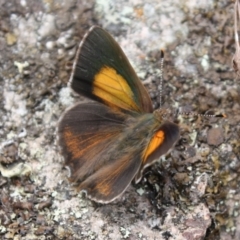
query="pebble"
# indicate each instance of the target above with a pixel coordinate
(215, 136)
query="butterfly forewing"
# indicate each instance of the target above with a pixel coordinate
(103, 73)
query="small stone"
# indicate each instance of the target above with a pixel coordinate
(50, 45)
(204, 151)
(16, 170)
(215, 136)
(182, 178)
(11, 39)
(140, 191)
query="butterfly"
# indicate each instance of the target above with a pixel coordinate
(107, 143)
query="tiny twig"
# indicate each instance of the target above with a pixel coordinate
(236, 57)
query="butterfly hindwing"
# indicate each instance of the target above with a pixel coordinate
(89, 135)
(85, 131)
(160, 142)
(103, 73)
(111, 180)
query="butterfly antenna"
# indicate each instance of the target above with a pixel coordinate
(161, 79)
(192, 114)
(183, 113)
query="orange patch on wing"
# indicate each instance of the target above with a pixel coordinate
(113, 89)
(155, 142)
(104, 188)
(78, 147)
(110, 175)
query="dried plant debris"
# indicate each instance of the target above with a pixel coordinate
(236, 57)
(9, 152)
(192, 193)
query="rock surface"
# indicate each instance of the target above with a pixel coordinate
(193, 193)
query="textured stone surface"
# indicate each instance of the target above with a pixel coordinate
(193, 192)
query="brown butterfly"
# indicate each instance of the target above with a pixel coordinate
(109, 142)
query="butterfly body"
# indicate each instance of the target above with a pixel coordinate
(109, 142)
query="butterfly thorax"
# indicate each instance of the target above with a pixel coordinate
(138, 132)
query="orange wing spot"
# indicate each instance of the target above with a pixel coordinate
(111, 174)
(104, 188)
(71, 143)
(155, 142)
(77, 146)
(113, 89)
